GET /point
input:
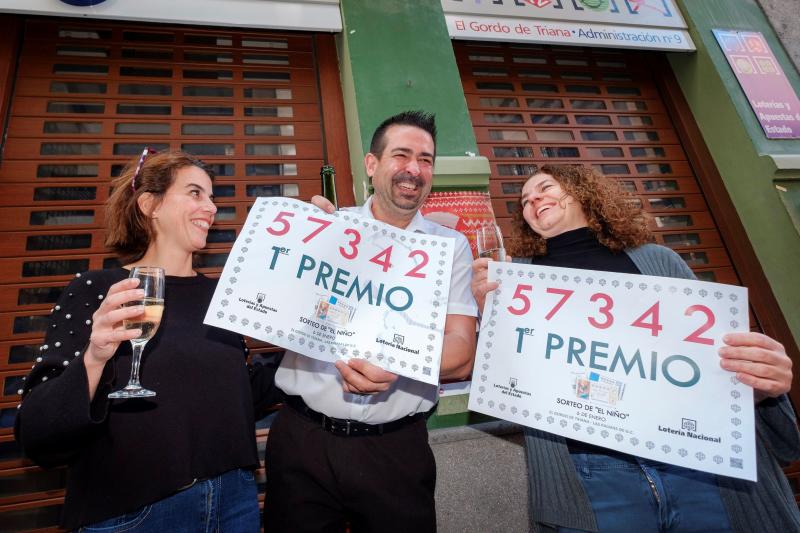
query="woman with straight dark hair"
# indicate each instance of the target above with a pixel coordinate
(572, 217)
(182, 460)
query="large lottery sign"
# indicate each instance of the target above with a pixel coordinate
(621, 361)
(337, 286)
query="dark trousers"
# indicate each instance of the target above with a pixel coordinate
(318, 482)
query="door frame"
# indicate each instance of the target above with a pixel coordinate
(744, 259)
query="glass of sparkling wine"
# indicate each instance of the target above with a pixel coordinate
(151, 280)
(490, 242)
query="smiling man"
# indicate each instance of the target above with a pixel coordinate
(352, 445)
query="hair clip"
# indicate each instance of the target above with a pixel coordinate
(147, 151)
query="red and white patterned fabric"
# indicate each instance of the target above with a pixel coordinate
(462, 211)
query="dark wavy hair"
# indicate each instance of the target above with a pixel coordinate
(612, 214)
(419, 119)
(129, 231)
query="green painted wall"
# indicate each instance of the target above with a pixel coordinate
(396, 55)
(742, 153)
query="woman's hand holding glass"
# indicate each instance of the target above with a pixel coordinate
(108, 329)
(146, 322)
(481, 285)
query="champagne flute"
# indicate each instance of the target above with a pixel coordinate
(490, 242)
(151, 280)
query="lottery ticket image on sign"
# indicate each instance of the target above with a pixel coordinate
(337, 286)
(622, 361)
(334, 310)
(593, 386)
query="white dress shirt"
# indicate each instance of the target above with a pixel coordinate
(320, 384)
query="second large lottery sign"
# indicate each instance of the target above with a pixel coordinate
(337, 286)
(621, 361)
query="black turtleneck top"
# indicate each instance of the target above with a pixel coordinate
(579, 248)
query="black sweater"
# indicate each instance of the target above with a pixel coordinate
(579, 248)
(123, 454)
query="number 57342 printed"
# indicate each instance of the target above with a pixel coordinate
(623, 361)
(337, 286)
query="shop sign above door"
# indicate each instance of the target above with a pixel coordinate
(307, 15)
(645, 24)
(763, 81)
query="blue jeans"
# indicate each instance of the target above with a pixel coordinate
(642, 496)
(226, 503)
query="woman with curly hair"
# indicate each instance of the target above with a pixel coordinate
(609, 213)
(572, 217)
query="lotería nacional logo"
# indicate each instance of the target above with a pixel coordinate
(398, 343)
(689, 429)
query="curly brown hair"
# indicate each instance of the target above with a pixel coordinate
(616, 221)
(129, 231)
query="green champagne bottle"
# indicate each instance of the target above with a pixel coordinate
(329, 184)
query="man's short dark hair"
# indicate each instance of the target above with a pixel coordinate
(419, 119)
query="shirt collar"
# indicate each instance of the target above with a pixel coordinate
(416, 225)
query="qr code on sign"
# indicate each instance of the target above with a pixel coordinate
(736, 463)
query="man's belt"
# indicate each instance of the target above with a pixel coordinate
(349, 428)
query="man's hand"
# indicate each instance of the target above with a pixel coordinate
(759, 361)
(323, 203)
(458, 348)
(362, 377)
